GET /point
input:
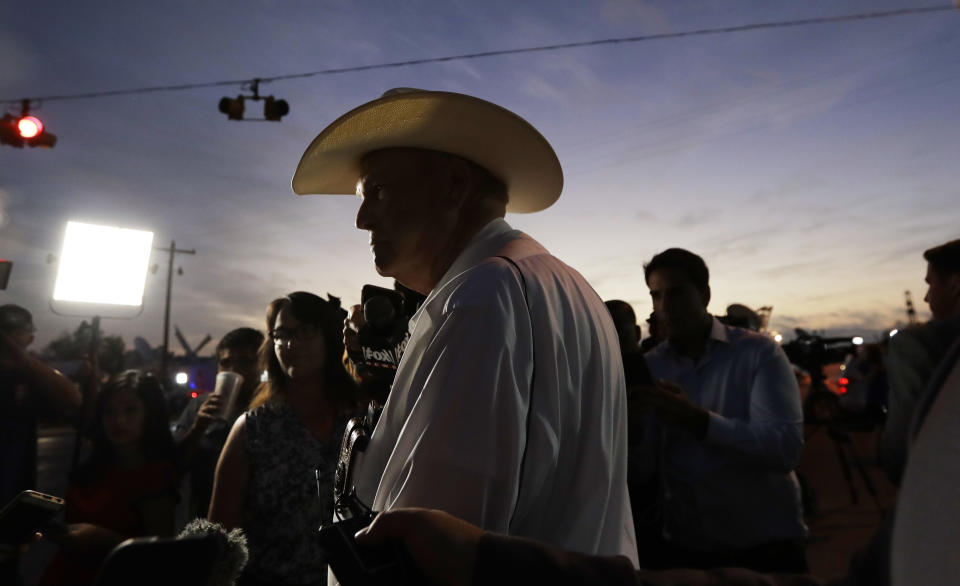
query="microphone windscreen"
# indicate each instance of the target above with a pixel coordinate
(233, 550)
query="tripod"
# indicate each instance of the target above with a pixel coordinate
(822, 411)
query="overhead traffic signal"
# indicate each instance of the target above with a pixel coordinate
(9, 133)
(25, 129)
(273, 109)
(232, 107)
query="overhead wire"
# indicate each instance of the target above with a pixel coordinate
(502, 52)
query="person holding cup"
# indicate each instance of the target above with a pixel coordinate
(204, 424)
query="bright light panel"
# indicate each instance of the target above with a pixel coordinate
(103, 264)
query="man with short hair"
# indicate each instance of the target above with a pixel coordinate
(915, 353)
(726, 433)
(508, 406)
(201, 432)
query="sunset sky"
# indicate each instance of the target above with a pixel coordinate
(810, 166)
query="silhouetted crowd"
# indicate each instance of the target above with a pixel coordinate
(507, 425)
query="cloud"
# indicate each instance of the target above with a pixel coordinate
(646, 217)
(17, 62)
(564, 79)
(698, 217)
(627, 13)
(789, 269)
(740, 243)
(541, 89)
(4, 198)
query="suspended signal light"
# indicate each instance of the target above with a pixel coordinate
(274, 109)
(25, 129)
(29, 126)
(232, 107)
(9, 133)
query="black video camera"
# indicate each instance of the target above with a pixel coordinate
(812, 352)
(384, 337)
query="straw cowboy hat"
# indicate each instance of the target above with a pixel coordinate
(490, 136)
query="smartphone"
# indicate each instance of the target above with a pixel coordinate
(157, 561)
(26, 514)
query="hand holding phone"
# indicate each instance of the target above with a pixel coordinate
(25, 515)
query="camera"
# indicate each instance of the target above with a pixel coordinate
(811, 353)
(383, 337)
(352, 564)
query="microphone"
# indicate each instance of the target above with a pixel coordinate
(379, 313)
(233, 550)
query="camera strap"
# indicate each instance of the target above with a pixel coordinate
(533, 374)
(356, 437)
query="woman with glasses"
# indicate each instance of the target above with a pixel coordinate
(275, 474)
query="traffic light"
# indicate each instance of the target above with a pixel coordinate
(25, 129)
(232, 107)
(274, 110)
(9, 133)
(33, 134)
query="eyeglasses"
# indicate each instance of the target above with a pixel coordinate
(303, 332)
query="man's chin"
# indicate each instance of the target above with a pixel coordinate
(384, 267)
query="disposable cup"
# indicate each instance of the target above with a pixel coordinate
(227, 386)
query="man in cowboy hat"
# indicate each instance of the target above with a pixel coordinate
(508, 408)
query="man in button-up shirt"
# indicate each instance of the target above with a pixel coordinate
(508, 408)
(725, 431)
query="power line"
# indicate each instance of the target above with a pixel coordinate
(518, 51)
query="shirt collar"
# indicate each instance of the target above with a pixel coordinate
(485, 243)
(718, 331)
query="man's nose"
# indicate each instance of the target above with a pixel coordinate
(364, 216)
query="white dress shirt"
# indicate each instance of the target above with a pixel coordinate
(458, 433)
(736, 488)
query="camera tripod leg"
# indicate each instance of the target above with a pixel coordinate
(867, 481)
(845, 466)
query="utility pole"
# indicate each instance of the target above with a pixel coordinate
(164, 360)
(911, 312)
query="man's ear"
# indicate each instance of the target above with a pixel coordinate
(706, 296)
(953, 286)
(460, 182)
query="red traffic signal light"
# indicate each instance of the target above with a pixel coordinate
(29, 127)
(25, 130)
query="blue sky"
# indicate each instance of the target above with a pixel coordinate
(810, 166)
